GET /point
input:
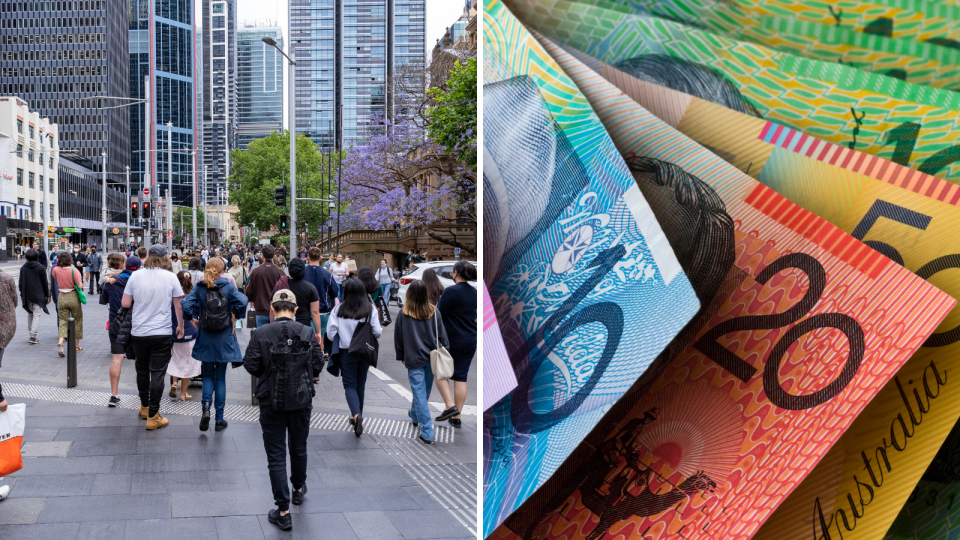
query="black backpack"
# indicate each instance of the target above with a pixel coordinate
(364, 345)
(291, 387)
(216, 312)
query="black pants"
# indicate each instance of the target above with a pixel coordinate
(153, 355)
(94, 281)
(276, 428)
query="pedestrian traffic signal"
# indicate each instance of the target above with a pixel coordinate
(280, 195)
(283, 223)
(146, 211)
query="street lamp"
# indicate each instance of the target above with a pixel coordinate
(293, 139)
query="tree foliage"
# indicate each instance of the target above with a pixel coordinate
(453, 120)
(263, 166)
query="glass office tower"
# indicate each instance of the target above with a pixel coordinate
(219, 90)
(57, 55)
(347, 51)
(161, 52)
(259, 82)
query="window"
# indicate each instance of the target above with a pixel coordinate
(19, 200)
(31, 132)
(51, 185)
(30, 155)
(20, 150)
(31, 181)
(19, 126)
(41, 183)
(19, 177)
(51, 212)
(33, 203)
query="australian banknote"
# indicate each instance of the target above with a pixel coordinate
(586, 287)
(907, 215)
(908, 124)
(789, 350)
(498, 376)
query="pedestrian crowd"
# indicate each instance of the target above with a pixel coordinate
(178, 317)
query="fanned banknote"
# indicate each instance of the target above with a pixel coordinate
(498, 376)
(807, 326)
(907, 215)
(586, 287)
(908, 124)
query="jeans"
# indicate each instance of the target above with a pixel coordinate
(263, 320)
(33, 319)
(339, 290)
(385, 292)
(421, 382)
(354, 375)
(153, 356)
(215, 382)
(276, 427)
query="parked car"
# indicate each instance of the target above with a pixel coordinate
(444, 270)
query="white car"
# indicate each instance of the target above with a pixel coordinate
(444, 270)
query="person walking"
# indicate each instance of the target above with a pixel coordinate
(149, 292)
(42, 255)
(34, 292)
(386, 279)
(339, 270)
(113, 287)
(68, 277)
(366, 276)
(322, 279)
(355, 309)
(329, 262)
(8, 327)
(434, 287)
(419, 331)
(458, 308)
(239, 273)
(215, 303)
(183, 366)
(80, 261)
(288, 347)
(176, 264)
(260, 285)
(94, 264)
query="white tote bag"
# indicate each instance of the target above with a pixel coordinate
(441, 362)
(12, 423)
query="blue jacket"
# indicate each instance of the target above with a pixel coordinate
(114, 292)
(219, 346)
(322, 279)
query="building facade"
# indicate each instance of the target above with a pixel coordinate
(259, 82)
(219, 90)
(29, 152)
(81, 204)
(347, 52)
(161, 44)
(60, 57)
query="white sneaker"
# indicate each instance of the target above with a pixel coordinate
(4, 491)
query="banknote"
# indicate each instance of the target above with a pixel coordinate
(912, 61)
(586, 287)
(905, 214)
(807, 326)
(498, 376)
(908, 124)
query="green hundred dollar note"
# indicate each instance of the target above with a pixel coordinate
(911, 125)
(915, 62)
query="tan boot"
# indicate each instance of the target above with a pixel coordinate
(156, 422)
(144, 412)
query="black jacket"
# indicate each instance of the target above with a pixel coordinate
(256, 359)
(415, 339)
(43, 257)
(34, 288)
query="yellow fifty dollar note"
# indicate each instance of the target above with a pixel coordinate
(861, 484)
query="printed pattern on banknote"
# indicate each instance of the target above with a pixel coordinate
(498, 376)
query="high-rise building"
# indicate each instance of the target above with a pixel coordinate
(259, 82)
(347, 51)
(162, 55)
(28, 169)
(219, 90)
(58, 55)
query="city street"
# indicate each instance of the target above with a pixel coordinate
(94, 472)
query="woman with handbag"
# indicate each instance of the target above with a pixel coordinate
(421, 343)
(366, 276)
(183, 366)
(348, 318)
(70, 284)
(458, 307)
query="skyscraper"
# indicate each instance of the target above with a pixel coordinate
(259, 82)
(219, 90)
(161, 53)
(56, 55)
(347, 51)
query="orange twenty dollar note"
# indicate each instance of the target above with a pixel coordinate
(806, 326)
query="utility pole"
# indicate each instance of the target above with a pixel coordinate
(193, 238)
(169, 187)
(206, 209)
(45, 211)
(127, 239)
(103, 193)
(148, 113)
(293, 148)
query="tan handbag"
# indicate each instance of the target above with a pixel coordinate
(441, 362)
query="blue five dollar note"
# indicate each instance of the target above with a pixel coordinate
(586, 287)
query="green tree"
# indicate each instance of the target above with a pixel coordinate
(183, 220)
(264, 165)
(453, 120)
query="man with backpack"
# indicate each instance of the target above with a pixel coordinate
(283, 355)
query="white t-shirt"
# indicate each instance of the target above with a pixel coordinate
(339, 271)
(153, 290)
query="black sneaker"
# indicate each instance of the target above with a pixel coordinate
(410, 414)
(114, 401)
(455, 422)
(297, 497)
(284, 522)
(221, 425)
(426, 441)
(358, 426)
(447, 414)
(34, 341)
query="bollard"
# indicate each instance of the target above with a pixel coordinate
(71, 352)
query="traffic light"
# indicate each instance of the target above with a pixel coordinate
(146, 210)
(134, 208)
(280, 195)
(283, 223)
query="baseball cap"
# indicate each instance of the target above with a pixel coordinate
(158, 250)
(133, 263)
(284, 295)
